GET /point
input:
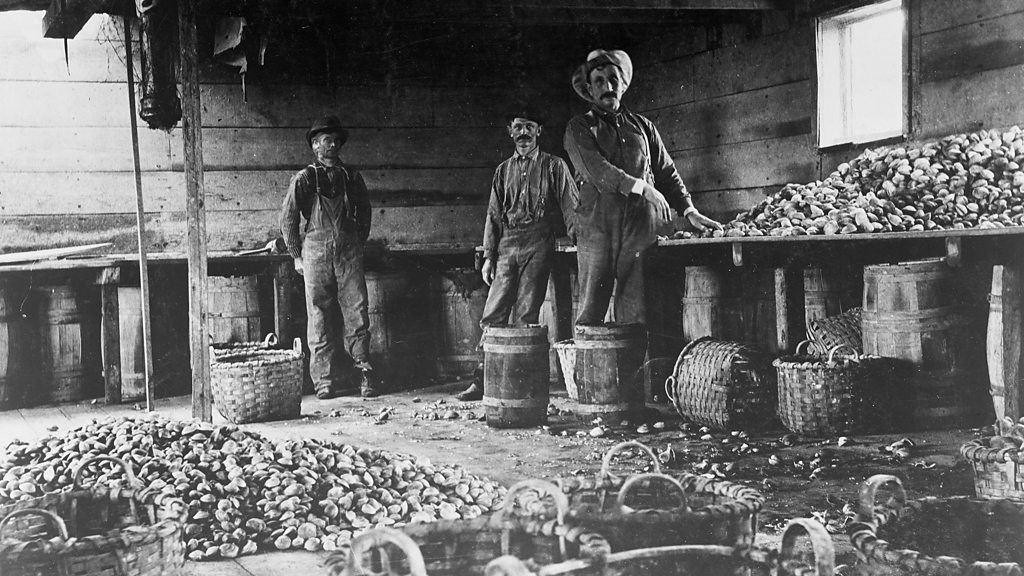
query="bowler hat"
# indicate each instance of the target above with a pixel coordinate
(596, 59)
(527, 112)
(329, 124)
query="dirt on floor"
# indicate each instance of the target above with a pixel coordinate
(800, 477)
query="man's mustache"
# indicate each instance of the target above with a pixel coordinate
(607, 94)
(523, 138)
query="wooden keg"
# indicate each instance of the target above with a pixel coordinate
(824, 292)
(60, 344)
(462, 295)
(516, 376)
(910, 315)
(133, 362)
(1003, 342)
(609, 370)
(234, 309)
(13, 349)
(400, 329)
(702, 303)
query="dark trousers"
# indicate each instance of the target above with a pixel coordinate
(521, 276)
(611, 239)
(335, 283)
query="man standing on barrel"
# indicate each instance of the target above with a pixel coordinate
(629, 185)
(533, 200)
(333, 201)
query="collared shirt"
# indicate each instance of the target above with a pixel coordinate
(330, 182)
(618, 152)
(528, 189)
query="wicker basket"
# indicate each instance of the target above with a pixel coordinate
(94, 532)
(723, 384)
(523, 528)
(256, 384)
(845, 328)
(845, 393)
(998, 472)
(647, 510)
(957, 536)
(702, 560)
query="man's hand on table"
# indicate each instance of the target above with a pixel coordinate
(702, 222)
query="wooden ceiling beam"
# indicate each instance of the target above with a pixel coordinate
(654, 5)
(65, 18)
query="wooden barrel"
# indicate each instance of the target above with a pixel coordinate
(516, 376)
(13, 350)
(462, 295)
(60, 344)
(401, 351)
(702, 303)
(1003, 342)
(234, 309)
(908, 314)
(133, 362)
(822, 293)
(609, 370)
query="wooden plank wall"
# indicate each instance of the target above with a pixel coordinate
(427, 148)
(737, 108)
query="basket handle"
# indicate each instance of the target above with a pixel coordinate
(377, 538)
(297, 346)
(821, 544)
(803, 343)
(843, 347)
(869, 491)
(542, 488)
(606, 461)
(270, 340)
(57, 521)
(670, 383)
(132, 479)
(627, 486)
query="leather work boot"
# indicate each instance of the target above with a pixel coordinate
(473, 393)
(324, 393)
(369, 386)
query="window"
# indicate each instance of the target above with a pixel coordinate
(862, 56)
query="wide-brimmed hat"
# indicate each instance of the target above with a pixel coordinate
(329, 124)
(598, 58)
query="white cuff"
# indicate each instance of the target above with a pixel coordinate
(638, 187)
(689, 210)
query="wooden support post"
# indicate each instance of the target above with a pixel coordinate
(284, 273)
(110, 339)
(195, 212)
(789, 308)
(1004, 340)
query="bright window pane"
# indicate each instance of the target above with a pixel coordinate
(876, 75)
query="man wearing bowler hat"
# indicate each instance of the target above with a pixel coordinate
(628, 187)
(533, 200)
(332, 201)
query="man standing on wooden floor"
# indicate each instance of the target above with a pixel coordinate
(333, 201)
(629, 185)
(533, 200)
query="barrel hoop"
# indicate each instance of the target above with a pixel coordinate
(603, 408)
(515, 402)
(604, 344)
(516, 348)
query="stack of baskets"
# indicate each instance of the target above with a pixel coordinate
(723, 384)
(954, 536)
(373, 553)
(998, 462)
(94, 532)
(844, 393)
(253, 382)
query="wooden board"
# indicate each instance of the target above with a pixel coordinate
(989, 99)
(660, 85)
(749, 164)
(972, 48)
(776, 59)
(942, 14)
(280, 148)
(80, 149)
(50, 253)
(773, 112)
